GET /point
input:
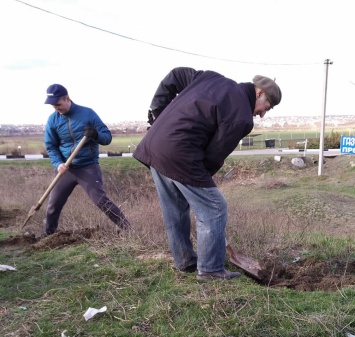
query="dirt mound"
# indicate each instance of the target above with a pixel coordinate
(308, 275)
(64, 238)
(57, 240)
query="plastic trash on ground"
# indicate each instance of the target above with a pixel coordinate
(4, 267)
(91, 312)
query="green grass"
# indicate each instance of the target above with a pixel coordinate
(4, 234)
(331, 246)
(52, 288)
(35, 144)
(148, 298)
(119, 163)
(348, 190)
(26, 163)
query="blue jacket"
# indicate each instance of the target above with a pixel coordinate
(202, 117)
(64, 132)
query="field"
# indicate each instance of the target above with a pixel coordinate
(298, 224)
(34, 144)
(125, 143)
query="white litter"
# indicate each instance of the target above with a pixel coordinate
(63, 334)
(91, 312)
(349, 335)
(4, 267)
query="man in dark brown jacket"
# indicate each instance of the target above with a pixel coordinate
(198, 118)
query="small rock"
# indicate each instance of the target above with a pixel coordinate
(299, 162)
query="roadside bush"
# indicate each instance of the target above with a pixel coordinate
(330, 142)
(16, 152)
(44, 153)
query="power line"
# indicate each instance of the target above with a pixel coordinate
(161, 46)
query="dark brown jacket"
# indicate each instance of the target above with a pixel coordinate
(204, 116)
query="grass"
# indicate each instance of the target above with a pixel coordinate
(34, 144)
(119, 163)
(274, 210)
(331, 246)
(4, 234)
(148, 298)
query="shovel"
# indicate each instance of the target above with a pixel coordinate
(55, 180)
(252, 267)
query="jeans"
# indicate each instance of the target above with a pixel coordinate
(90, 179)
(210, 208)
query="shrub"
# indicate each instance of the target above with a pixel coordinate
(16, 152)
(44, 152)
(330, 142)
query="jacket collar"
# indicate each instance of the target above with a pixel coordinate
(249, 89)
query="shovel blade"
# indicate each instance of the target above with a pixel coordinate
(29, 215)
(251, 266)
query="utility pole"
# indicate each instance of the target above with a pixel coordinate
(327, 62)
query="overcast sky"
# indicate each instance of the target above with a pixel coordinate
(112, 54)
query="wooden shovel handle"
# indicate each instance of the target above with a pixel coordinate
(55, 180)
(57, 177)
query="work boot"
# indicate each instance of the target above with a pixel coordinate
(219, 275)
(189, 269)
(45, 235)
(47, 229)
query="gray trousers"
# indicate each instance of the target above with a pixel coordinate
(90, 179)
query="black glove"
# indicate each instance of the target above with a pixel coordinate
(90, 132)
(152, 116)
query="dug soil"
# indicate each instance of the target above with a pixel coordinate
(297, 273)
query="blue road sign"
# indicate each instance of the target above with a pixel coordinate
(347, 144)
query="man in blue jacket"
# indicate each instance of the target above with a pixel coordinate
(65, 127)
(198, 118)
